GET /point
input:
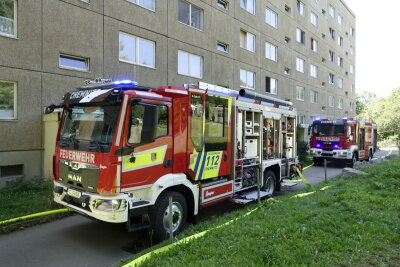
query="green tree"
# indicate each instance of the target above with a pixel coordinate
(363, 100)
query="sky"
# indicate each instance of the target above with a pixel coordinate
(377, 45)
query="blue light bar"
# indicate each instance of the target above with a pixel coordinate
(125, 82)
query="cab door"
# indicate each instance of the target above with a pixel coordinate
(209, 142)
(149, 136)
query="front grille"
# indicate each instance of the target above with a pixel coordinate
(79, 175)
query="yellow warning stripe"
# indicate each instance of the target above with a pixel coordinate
(45, 213)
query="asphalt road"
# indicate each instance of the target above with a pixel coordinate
(78, 241)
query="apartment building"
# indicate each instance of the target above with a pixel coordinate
(302, 51)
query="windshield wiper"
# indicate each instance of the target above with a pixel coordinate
(98, 145)
(64, 142)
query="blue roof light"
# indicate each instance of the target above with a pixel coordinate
(126, 82)
(318, 119)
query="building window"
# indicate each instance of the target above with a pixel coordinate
(86, 1)
(190, 65)
(314, 19)
(300, 91)
(271, 85)
(340, 83)
(223, 4)
(340, 19)
(271, 18)
(190, 15)
(300, 8)
(271, 51)
(351, 69)
(287, 40)
(313, 97)
(248, 5)
(300, 36)
(73, 63)
(331, 56)
(313, 71)
(247, 79)
(136, 50)
(149, 4)
(340, 40)
(351, 106)
(222, 47)
(300, 65)
(351, 50)
(8, 18)
(352, 31)
(331, 11)
(331, 79)
(247, 41)
(332, 33)
(340, 62)
(287, 8)
(8, 100)
(331, 101)
(301, 119)
(286, 71)
(353, 88)
(340, 104)
(314, 45)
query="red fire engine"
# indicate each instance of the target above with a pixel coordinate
(346, 140)
(123, 150)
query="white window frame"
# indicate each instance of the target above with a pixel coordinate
(340, 103)
(331, 55)
(15, 22)
(331, 11)
(340, 83)
(313, 97)
(351, 50)
(352, 69)
(271, 18)
(223, 4)
(340, 41)
(314, 45)
(190, 16)
(273, 86)
(300, 36)
(331, 101)
(340, 19)
(15, 117)
(340, 61)
(190, 55)
(137, 51)
(313, 71)
(331, 78)
(247, 36)
(244, 4)
(248, 86)
(301, 8)
(300, 93)
(313, 19)
(353, 88)
(273, 51)
(138, 2)
(222, 44)
(352, 31)
(87, 65)
(300, 64)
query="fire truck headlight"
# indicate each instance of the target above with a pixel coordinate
(109, 205)
(343, 153)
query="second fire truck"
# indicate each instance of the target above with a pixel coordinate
(345, 140)
(124, 150)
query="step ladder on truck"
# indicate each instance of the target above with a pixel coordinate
(124, 150)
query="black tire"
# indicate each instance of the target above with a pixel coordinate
(317, 161)
(353, 160)
(159, 215)
(370, 155)
(269, 184)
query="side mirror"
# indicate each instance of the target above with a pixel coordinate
(49, 109)
(150, 122)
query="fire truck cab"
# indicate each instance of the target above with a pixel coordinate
(123, 150)
(346, 140)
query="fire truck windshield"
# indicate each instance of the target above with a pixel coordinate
(327, 129)
(90, 124)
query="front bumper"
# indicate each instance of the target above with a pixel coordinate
(335, 154)
(94, 205)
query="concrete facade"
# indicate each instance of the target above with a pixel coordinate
(45, 29)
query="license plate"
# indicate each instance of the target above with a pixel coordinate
(74, 193)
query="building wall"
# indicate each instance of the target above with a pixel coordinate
(48, 28)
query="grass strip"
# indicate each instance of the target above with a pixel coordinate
(344, 221)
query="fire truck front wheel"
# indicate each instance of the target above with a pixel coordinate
(160, 216)
(353, 160)
(317, 161)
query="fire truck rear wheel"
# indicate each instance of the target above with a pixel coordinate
(160, 215)
(269, 185)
